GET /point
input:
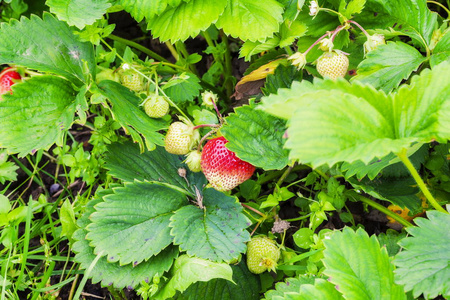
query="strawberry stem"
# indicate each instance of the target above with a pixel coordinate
(360, 27)
(206, 125)
(254, 210)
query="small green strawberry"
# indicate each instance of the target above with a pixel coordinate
(180, 138)
(262, 254)
(132, 80)
(193, 161)
(332, 64)
(156, 106)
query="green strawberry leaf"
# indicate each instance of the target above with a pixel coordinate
(246, 286)
(250, 48)
(387, 65)
(360, 268)
(411, 17)
(126, 162)
(78, 13)
(390, 241)
(256, 137)
(326, 126)
(289, 32)
(441, 51)
(47, 45)
(401, 191)
(188, 270)
(148, 9)
(37, 114)
(114, 274)
(322, 289)
(126, 110)
(185, 89)
(351, 8)
(132, 224)
(423, 266)
(390, 164)
(172, 24)
(250, 20)
(7, 169)
(281, 78)
(290, 286)
(216, 232)
(286, 101)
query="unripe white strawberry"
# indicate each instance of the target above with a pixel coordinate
(156, 106)
(132, 80)
(262, 254)
(180, 138)
(332, 64)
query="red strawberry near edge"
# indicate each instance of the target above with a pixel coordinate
(222, 168)
(7, 78)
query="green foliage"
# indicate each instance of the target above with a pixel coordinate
(138, 215)
(7, 169)
(127, 163)
(125, 109)
(148, 9)
(182, 89)
(356, 263)
(422, 266)
(256, 137)
(171, 25)
(188, 270)
(304, 288)
(78, 12)
(319, 129)
(244, 286)
(411, 17)
(215, 231)
(47, 45)
(387, 65)
(37, 114)
(109, 273)
(441, 52)
(250, 20)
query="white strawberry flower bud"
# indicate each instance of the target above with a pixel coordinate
(298, 60)
(209, 98)
(126, 66)
(372, 42)
(313, 8)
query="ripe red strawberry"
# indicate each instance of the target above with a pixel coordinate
(223, 169)
(262, 254)
(7, 78)
(332, 64)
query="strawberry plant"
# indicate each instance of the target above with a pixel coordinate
(225, 149)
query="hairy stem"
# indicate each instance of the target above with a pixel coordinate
(404, 158)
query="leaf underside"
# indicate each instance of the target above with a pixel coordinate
(37, 114)
(47, 45)
(423, 266)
